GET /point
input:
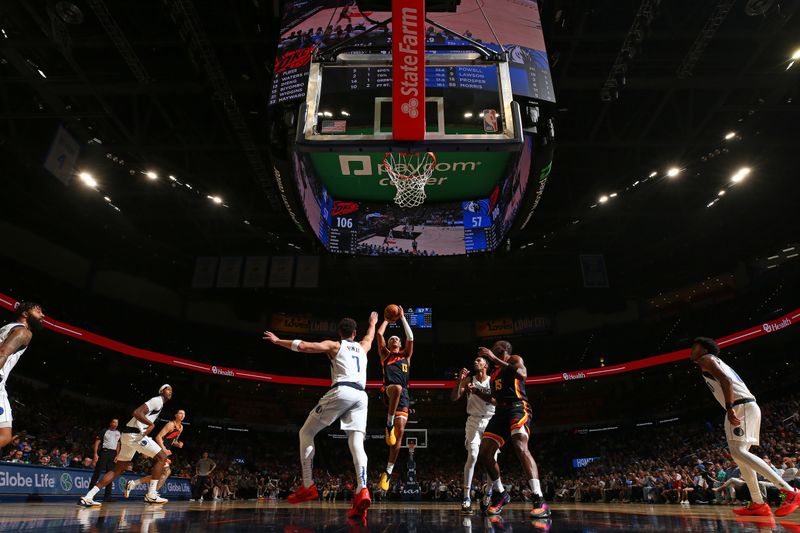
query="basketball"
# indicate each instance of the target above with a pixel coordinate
(392, 313)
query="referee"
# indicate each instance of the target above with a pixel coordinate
(104, 458)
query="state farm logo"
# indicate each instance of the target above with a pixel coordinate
(408, 52)
(221, 371)
(575, 375)
(770, 327)
(411, 108)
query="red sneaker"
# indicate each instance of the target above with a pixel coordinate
(754, 509)
(304, 494)
(790, 503)
(361, 503)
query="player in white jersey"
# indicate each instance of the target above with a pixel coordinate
(14, 340)
(135, 440)
(346, 401)
(480, 408)
(742, 428)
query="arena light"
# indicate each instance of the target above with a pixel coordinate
(151, 175)
(88, 179)
(107, 199)
(721, 193)
(673, 171)
(653, 174)
(730, 135)
(740, 174)
(215, 199)
(173, 178)
(612, 195)
(344, 113)
(795, 55)
(468, 115)
(603, 199)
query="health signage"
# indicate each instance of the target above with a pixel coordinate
(22, 479)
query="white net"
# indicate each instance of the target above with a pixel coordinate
(409, 173)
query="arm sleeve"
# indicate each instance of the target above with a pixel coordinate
(407, 329)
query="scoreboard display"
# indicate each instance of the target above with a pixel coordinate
(417, 317)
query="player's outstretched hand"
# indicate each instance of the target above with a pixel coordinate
(271, 337)
(402, 313)
(732, 418)
(463, 373)
(373, 318)
(178, 443)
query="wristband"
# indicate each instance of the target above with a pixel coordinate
(728, 406)
(296, 345)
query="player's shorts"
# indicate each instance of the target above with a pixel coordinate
(749, 427)
(347, 404)
(5, 410)
(402, 405)
(508, 420)
(133, 443)
(476, 425)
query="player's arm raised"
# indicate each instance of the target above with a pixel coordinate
(380, 338)
(461, 385)
(366, 342)
(16, 340)
(408, 332)
(513, 361)
(710, 365)
(298, 345)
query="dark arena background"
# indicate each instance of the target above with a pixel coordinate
(195, 193)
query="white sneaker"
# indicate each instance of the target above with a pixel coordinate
(155, 498)
(88, 502)
(192, 500)
(129, 486)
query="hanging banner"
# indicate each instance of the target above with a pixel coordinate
(408, 70)
(754, 332)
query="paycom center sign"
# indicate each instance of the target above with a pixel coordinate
(456, 176)
(25, 480)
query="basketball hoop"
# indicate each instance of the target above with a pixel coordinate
(409, 173)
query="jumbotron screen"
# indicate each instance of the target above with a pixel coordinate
(417, 317)
(434, 229)
(310, 24)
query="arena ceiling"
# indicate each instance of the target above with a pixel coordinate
(180, 87)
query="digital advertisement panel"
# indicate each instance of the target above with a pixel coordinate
(322, 24)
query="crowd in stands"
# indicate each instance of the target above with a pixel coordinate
(668, 464)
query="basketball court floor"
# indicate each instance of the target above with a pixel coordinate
(386, 517)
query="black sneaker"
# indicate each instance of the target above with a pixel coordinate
(485, 502)
(498, 502)
(540, 508)
(466, 507)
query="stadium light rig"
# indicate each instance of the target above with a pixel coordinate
(88, 179)
(730, 135)
(672, 172)
(740, 174)
(151, 175)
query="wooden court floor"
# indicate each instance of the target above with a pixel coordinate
(133, 515)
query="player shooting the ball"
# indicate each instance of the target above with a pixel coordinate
(396, 364)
